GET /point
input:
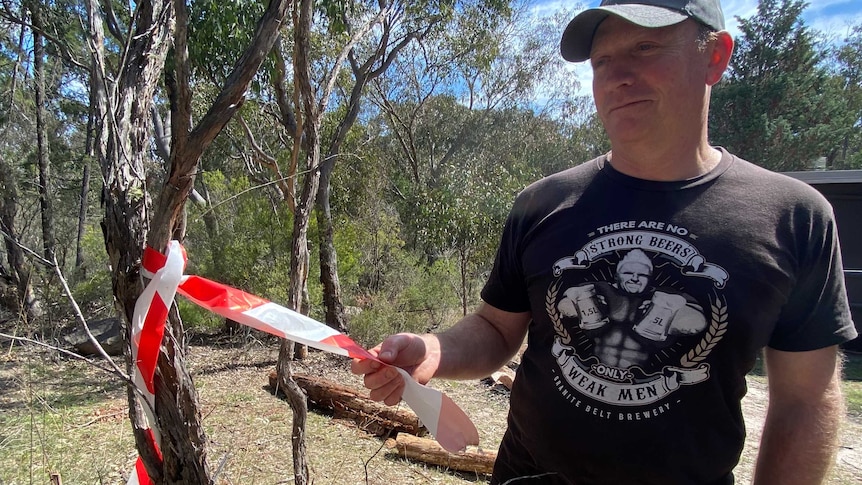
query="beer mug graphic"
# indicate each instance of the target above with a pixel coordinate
(661, 310)
(591, 313)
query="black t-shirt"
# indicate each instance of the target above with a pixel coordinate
(649, 302)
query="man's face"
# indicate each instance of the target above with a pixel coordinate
(649, 85)
(633, 278)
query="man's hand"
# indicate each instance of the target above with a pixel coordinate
(479, 344)
(418, 355)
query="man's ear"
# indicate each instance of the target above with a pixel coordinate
(722, 49)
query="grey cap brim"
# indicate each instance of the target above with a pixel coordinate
(577, 40)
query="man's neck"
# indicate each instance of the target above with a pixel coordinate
(663, 166)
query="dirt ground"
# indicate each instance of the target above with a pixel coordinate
(62, 415)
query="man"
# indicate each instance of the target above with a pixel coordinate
(757, 250)
(629, 320)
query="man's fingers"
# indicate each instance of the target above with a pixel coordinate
(383, 381)
(364, 366)
(381, 378)
(385, 385)
(389, 391)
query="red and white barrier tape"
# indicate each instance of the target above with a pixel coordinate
(443, 418)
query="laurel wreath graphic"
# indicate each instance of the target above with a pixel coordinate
(550, 307)
(714, 334)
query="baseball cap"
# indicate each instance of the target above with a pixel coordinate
(577, 39)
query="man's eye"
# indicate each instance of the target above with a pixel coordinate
(645, 47)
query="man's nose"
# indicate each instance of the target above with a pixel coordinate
(617, 73)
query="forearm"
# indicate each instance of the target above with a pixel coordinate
(800, 439)
(475, 347)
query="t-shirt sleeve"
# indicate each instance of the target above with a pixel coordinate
(505, 288)
(817, 313)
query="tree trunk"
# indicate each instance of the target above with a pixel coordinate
(179, 419)
(125, 197)
(362, 73)
(328, 257)
(24, 302)
(19, 269)
(179, 416)
(46, 196)
(308, 123)
(97, 130)
(308, 128)
(82, 219)
(332, 303)
(299, 406)
(122, 149)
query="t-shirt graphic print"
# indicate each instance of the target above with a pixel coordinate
(627, 333)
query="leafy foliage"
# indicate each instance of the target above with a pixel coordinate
(252, 247)
(219, 31)
(778, 106)
(847, 81)
(417, 298)
(476, 107)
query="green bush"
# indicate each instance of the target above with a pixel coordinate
(416, 299)
(91, 284)
(197, 319)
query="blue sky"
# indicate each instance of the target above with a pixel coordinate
(831, 17)
(824, 15)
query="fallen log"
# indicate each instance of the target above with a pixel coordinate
(350, 404)
(473, 460)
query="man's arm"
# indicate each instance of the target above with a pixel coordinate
(475, 347)
(805, 410)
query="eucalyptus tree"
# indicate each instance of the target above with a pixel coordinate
(405, 24)
(38, 119)
(150, 30)
(775, 106)
(43, 153)
(351, 45)
(16, 127)
(456, 115)
(17, 281)
(300, 113)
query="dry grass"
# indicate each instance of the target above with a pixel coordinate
(64, 416)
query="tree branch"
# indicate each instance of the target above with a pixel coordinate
(56, 267)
